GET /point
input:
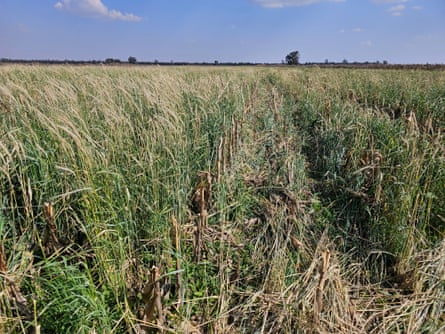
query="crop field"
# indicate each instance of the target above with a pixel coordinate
(221, 200)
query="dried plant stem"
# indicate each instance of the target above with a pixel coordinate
(219, 160)
(50, 240)
(152, 299)
(2, 259)
(224, 158)
(318, 307)
(178, 262)
(201, 225)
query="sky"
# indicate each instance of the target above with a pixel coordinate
(397, 31)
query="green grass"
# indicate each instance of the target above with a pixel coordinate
(324, 211)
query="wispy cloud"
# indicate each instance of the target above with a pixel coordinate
(397, 10)
(389, 1)
(397, 7)
(290, 3)
(367, 44)
(95, 9)
(354, 30)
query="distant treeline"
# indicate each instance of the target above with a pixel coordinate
(378, 65)
(113, 62)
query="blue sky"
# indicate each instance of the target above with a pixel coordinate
(399, 31)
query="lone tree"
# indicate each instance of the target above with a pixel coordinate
(293, 58)
(132, 60)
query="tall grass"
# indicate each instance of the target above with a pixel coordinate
(221, 200)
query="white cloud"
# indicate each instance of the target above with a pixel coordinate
(396, 10)
(355, 30)
(397, 7)
(389, 1)
(290, 3)
(367, 44)
(94, 8)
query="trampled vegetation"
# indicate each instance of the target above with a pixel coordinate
(221, 200)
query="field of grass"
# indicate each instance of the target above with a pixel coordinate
(221, 200)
